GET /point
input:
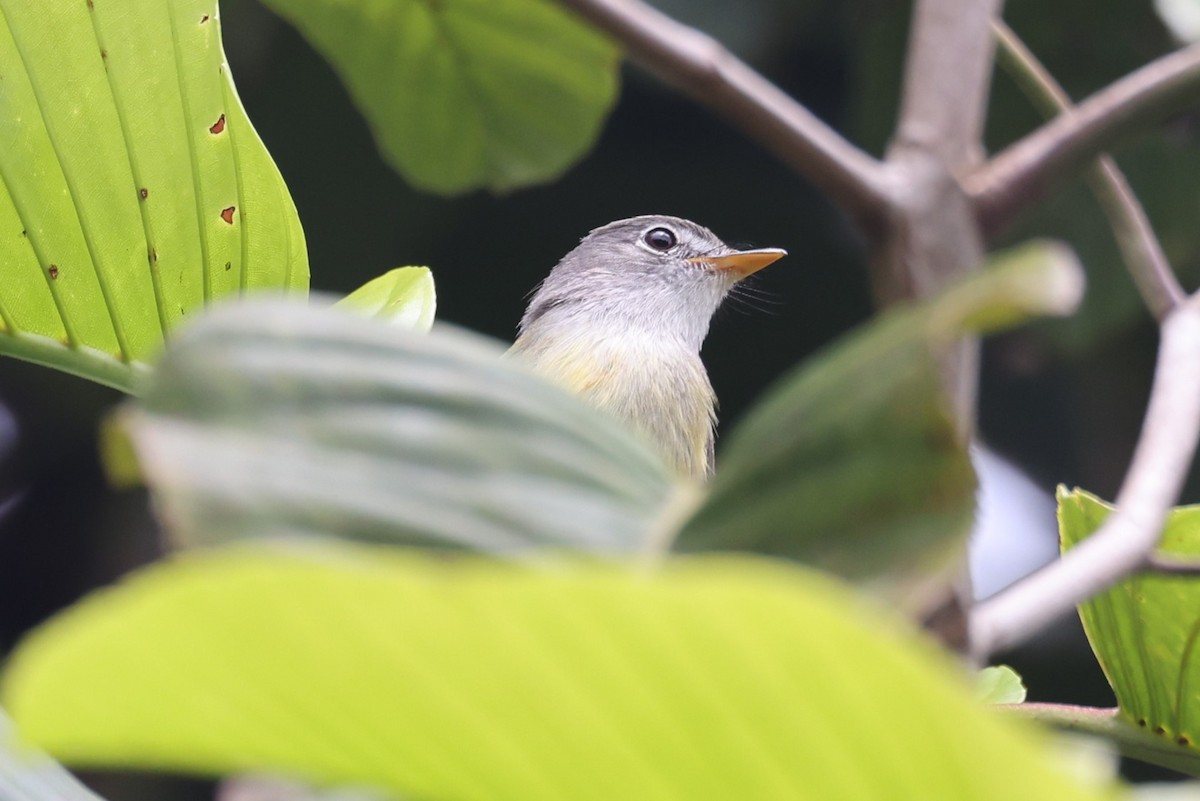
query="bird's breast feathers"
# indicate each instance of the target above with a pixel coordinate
(660, 388)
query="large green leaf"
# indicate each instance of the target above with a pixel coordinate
(463, 94)
(852, 462)
(133, 188)
(273, 417)
(27, 775)
(1145, 629)
(463, 680)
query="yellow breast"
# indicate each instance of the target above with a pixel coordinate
(661, 390)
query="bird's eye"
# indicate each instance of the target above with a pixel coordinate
(660, 239)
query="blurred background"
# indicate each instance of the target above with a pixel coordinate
(1062, 399)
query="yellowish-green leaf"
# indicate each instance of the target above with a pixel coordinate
(467, 680)
(133, 188)
(1145, 630)
(404, 296)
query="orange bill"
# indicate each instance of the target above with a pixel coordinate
(743, 262)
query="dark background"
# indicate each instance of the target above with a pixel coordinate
(1063, 398)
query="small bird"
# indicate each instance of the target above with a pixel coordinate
(620, 321)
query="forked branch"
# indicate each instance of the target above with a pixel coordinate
(1128, 538)
(1140, 248)
(1025, 171)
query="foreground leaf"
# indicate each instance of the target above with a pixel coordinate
(461, 679)
(1144, 630)
(133, 188)
(277, 418)
(26, 775)
(404, 296)
(466, 94)
(852, 462)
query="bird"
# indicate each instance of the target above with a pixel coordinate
(620, 321)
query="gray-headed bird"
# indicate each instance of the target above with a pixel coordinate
(620, 321)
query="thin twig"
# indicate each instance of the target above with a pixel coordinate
(1124, 542)
(1142, 252)
(1172, 564)
(702, 68)
(1025, 171)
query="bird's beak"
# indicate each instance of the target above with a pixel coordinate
(743, 262)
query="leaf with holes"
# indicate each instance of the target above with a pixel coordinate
(1145, 630)
(430, 676)
(274, 417)
(133, 188)
(466, 94)
(405, 297)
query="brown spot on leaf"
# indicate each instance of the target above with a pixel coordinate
(143, 193)
(228, 266)
(104, 54)
(154, 255)
(217, 126)
(1183, 739)
(1159, 730)
(1142, 722)
(204, 19)
(90, 5)
(53, 270)
(227, 214)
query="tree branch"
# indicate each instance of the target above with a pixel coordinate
(1124, 542)
(1027, 170)
(702, 68)
(946, 81)
(934, 237)
(1140, 248)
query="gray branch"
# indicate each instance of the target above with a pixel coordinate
(1126, 540)
(1027, 170)
(1140, 248)
(706, 71)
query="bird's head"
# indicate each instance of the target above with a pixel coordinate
(656, 274)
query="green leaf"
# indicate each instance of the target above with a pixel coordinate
(123, 149)
(466, 680)
(404, 296)
(1144, 630)
(851, 462)
(1000, 684)
(27, 775)
(271, 418)
(1130, 740)
(464, 94)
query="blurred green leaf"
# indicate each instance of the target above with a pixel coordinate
(133, 188)
(852, 462)
(278, 418)
(462, 679)
(466, 94)
(1144, 630)
(1000, 684)
(405, 296)
(27, 775)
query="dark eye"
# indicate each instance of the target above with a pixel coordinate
(659, 239)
